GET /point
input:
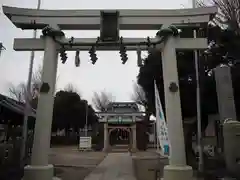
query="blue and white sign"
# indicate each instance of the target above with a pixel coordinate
(161, 126)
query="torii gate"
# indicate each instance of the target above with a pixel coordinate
(90, 20)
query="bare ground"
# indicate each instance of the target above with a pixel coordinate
(72, 173)
(71, 164)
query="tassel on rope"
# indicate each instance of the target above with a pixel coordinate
(77, 59)
(139, 57)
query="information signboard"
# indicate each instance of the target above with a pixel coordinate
(85, 143)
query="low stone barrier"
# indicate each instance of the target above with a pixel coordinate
(147, 167)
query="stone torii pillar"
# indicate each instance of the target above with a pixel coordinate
(177, 168)
(106, 135)
(134, 134)
(39, 168)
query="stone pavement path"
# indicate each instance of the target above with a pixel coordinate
(116, 166)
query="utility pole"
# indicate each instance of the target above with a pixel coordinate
(86, 120)
(28, 108)
(198, 97)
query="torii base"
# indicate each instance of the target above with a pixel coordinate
(178, 172)
(39, 173)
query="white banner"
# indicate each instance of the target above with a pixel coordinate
(161, 126)
(85, 143)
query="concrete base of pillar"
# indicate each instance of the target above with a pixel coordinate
(105, 149)
(177, 172)
(39, 173)
(133, 150)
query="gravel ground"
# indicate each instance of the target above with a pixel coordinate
(72, 173)
(70, 164)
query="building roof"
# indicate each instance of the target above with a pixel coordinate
(126, 105)
(13, 105)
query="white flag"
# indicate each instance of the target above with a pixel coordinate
(161, 126)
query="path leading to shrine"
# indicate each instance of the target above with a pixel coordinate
(117, 166)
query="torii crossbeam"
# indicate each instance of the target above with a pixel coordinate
(84, 44)
(90, 20)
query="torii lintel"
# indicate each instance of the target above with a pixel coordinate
(129, 19)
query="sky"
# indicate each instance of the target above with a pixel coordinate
(108, 74)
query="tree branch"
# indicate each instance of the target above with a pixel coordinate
(71, 88)
(138, 95)
(102, 100)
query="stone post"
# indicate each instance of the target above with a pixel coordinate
(39, 168)
(225, 94)
(226, 104)
(106, 139)
(134, 137)
(177, 168)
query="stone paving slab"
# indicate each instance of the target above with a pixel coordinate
(116, 166)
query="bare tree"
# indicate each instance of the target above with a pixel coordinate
(72, 88)
(102, 100)
(228, 14)
(138, 95)
(19, 92)
(37, 76)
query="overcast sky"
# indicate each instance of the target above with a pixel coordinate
(107, 74)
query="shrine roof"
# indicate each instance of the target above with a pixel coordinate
(13, 105)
